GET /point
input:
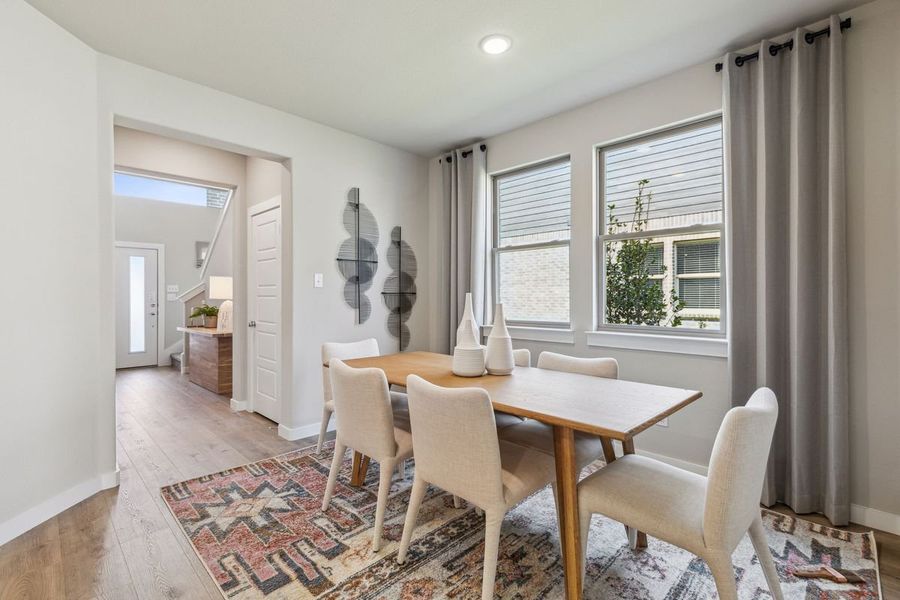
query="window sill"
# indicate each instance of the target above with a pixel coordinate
(537, 334)
(654, 342)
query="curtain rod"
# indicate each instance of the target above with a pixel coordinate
(774, 49)
(465, 153)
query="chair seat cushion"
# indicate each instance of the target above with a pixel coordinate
(505, 419)
(524, 471)
(539, 436)
(658, 499)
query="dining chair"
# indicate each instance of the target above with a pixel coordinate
(540, 435)
(344, 351)
(457, 450)
(707, 516)
(367, 423)
(522, 357)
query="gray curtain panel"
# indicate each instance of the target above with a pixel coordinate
(465, 184)
(784, 132)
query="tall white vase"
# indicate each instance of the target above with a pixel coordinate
(499, 356)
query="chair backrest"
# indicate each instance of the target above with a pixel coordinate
(344, 351)
(362, 406)
(455, 441)
(596, 367)
(522, 357)
(737, 469)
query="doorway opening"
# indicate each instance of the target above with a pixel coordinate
(193, 223)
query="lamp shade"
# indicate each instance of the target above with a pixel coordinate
(220, 288)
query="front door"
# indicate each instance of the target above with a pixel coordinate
(137, 307)
(264, 312)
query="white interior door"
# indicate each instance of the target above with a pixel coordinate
(264, 312)
(137, 307)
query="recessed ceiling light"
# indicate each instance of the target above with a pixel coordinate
(495, 44)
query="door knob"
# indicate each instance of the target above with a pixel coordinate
(251, 324)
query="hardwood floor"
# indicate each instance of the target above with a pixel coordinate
(123, 543)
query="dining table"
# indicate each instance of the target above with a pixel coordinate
(612, 409)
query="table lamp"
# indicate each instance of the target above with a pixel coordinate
(221, 288)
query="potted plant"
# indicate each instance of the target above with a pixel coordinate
(210, 315)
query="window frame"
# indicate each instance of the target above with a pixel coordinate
(602, 238)
(497, 250)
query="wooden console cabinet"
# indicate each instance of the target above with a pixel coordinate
(209, 358)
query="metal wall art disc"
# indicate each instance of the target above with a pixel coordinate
(400, 287)
(358, 255)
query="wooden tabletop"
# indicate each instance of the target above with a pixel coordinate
(206, 331)
(608, 407)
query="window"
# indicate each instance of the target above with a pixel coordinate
(168, 190)
(532, 227)
(661, 205)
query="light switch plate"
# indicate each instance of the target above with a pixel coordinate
(172, 288)
(318, 280)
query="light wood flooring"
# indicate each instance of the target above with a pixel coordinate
(123, 543)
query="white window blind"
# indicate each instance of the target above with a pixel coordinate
(684, 178)
(535, 205)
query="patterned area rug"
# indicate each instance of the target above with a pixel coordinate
(260, 531)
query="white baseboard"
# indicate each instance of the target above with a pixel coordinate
(51, 507)
(296, 433)
(675, 462)
(874, 518)
(239, 405)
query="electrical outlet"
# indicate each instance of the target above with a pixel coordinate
(663, 423)
(318, 280)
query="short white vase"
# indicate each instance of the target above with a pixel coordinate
(499, 356)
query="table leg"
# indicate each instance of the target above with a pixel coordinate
(359, 469)
(566, 486)
(637, 539)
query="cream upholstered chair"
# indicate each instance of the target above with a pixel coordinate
(540, 435)
(705, 515)
(595, 367)
(457, 450)
(343, 351)
(367, 423)
(522, 357)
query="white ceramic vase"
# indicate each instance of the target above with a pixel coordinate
(468, 355)
(499, 356)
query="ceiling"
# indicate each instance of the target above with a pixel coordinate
(409, 73)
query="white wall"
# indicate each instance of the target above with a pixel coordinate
(55, 439)
(873, 165)
(178, 227)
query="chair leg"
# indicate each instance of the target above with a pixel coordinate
(401, 469)
(584, 523)
(761, 545)
(323, 429)
(456, 502)
(493, 524)
(415, 500)
(723, 573)
(384, 487)
(339, 451)
(558, 521)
